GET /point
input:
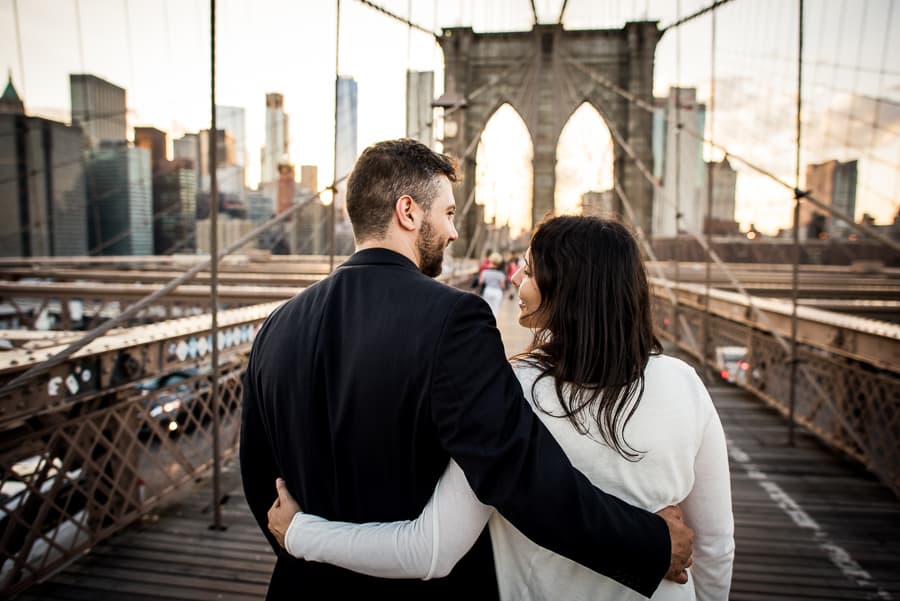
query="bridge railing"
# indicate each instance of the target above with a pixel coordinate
(848, 386)
(111, 434)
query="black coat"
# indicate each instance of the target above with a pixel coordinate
(360, 389)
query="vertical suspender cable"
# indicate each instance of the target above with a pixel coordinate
(19, 48)
(710, 180)
(797, 195)
(334, 186)
(85, 121)
(214, 271)
(409, 30)
(675, 246)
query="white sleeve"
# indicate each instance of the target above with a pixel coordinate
(426, 547)
(707, 509)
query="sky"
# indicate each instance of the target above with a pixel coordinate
(159, 52)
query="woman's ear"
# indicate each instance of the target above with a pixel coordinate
(406, 211)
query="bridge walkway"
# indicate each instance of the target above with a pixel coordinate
(809, 525)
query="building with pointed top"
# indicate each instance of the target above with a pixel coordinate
(10, 103)
(42, 184)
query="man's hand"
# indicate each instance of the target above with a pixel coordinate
(282, 512)
(682, 539)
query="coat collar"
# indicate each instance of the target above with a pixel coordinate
(379, 256)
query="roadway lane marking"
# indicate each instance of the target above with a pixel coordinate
(839, 556)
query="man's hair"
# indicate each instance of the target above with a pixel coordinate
(386, 171)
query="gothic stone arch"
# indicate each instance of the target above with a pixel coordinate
(535, 72)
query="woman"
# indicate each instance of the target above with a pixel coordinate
(639, 424)
(493, 282)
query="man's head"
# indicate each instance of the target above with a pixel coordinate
(400, 194)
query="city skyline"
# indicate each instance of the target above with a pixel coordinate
(163, 65)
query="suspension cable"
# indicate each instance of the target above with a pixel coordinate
(692, 16)
(562, 11)
(15, 7)
(214, 275)
(397, 17)
(795, 268)
(711, 172)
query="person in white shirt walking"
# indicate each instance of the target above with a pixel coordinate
(637, 423)
(493, 282)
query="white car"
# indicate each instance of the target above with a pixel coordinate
(731, 361)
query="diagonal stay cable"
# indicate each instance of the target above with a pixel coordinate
(862, 228)
(134, 308)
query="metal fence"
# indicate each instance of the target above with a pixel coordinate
(852, 405)
(85, 473)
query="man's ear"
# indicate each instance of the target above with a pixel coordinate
(407, 212)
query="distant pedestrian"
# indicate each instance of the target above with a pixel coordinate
(493, 282)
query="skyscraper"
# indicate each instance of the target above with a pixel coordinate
(153, 140)
(724, 179)
(309, 178)
(188, 147)
(232, 120)
(346, 126)
(286, 185)
(276, 150)
(419, 113)
(234, 176)
(345, 138)
(174, 194)
(174, 207)
(98, 107)
(679, 158)
(832, 183)
(42, 189)
(120, 200)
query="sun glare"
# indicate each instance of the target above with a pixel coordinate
(503, 176)
(584, 159)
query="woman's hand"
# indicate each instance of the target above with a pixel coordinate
(282, 511)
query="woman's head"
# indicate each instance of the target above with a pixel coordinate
(584, 264)
(585, 292)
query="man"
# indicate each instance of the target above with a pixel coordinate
(360, 389)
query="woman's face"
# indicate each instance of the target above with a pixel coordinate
(529, 295)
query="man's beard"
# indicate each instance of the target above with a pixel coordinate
(431, 251)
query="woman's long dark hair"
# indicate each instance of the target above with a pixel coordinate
(597, 333)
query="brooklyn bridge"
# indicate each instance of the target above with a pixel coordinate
(120, 369)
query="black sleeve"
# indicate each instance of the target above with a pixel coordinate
(258, 467)
(514, 464)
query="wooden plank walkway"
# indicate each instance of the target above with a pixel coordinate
(809, 526)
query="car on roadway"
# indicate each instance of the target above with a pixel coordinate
(171, 407)
(731, 361)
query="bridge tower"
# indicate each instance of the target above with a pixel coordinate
(542, 74)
